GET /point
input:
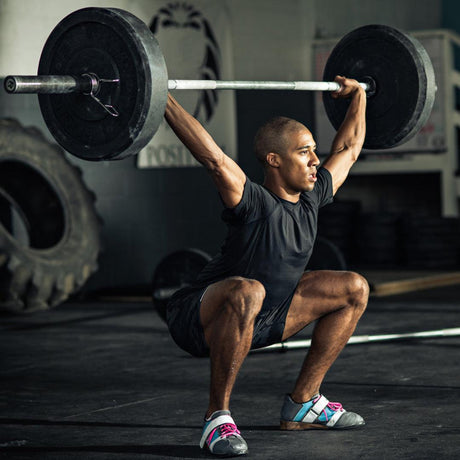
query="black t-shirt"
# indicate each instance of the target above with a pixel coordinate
(269, 239)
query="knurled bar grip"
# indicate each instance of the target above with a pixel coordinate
(61, 84)
(236, 84)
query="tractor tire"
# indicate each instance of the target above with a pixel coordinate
(49, 228)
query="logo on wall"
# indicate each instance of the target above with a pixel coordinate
(196, 55)
(195, 38)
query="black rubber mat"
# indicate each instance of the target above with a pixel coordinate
(104, 380)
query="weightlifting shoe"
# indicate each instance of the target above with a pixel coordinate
(317, 413)
(221, 436)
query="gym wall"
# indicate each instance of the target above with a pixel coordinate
(149, 213)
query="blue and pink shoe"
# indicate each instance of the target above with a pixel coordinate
(221, 436)
(317, 413)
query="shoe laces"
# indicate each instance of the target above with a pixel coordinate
(225, 430)
(228, 429)
(333, 406)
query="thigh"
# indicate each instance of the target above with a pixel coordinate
(212, 301)
(318, 293)
(244, 291)
(193, 314)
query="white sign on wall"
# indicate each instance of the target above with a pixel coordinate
(195, 39)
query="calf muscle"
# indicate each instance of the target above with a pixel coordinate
(337, 300)
(228, 311)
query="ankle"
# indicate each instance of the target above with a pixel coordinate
(211, 411)
(303, 397)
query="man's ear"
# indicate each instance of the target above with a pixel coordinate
(273, 160)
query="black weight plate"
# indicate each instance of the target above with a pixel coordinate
(113, 44)
(175, 271)
(404, 78)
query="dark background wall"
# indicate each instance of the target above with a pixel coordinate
(450, 19)
(450, 15)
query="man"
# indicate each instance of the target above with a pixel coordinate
(255, 292)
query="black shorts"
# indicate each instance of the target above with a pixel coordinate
(183, 318)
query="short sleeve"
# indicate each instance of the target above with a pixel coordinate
(322, 194)
(255, 204)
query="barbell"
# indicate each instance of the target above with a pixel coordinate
(102, 83)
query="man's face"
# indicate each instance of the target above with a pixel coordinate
(298, 165)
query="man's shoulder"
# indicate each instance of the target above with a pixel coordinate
(259, 191)
(256, 203)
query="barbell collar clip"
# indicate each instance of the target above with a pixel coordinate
(95, 86)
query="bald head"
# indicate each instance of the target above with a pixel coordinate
(275, 137)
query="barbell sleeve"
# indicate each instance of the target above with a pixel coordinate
(47, 84)
(62, 84)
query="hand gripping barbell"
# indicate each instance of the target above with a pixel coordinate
(102, 83)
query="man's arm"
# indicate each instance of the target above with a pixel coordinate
(349, 139)
(227, 175)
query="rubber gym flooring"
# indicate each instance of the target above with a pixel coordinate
(104, 380)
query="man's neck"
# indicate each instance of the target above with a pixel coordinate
(280, 190)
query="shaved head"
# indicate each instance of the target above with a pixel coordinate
(275, 137)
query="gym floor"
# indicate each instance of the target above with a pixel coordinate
(104, 380)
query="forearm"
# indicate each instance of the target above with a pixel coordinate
(192, 134)
(352, 131)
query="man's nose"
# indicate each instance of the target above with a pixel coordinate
(315, 160)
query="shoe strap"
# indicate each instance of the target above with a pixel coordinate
(316, 409)
(221, 420)
(333, 420)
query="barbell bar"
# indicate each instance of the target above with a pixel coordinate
(63, 84)
(366, 339)
(102, 83)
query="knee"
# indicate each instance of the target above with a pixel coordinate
(245, 297)
(357, 290)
